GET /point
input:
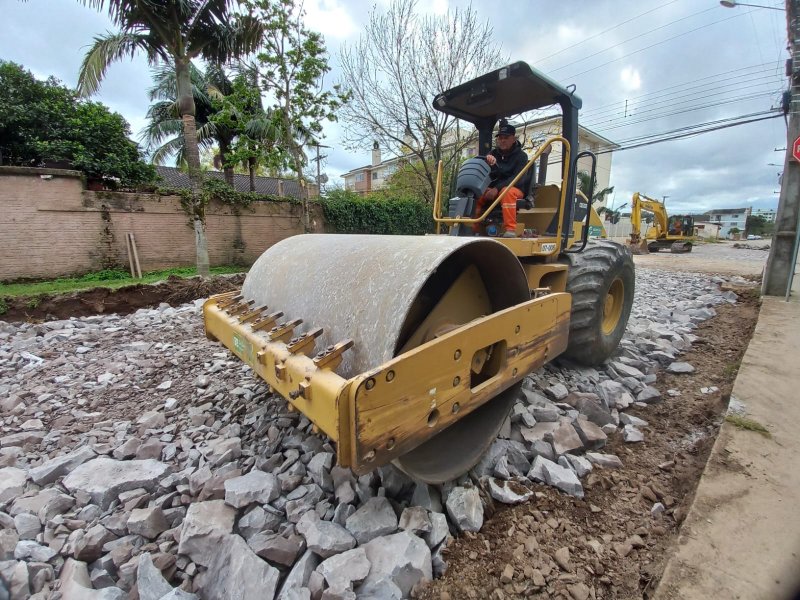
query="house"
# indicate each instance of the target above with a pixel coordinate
(707, 230)
(531, 134)
(729, 218)
(269, 186)
(768, 213)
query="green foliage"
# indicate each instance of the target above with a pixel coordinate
(350, 212)
(44, 121)
(758, 225)
(291, 66)
(748, 424)
(585, 185)
(107, 279)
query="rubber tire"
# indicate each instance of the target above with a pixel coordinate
(589, 278)
(654, 247)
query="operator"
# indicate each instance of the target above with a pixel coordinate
(507, 159)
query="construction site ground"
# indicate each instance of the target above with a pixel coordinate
(608, 544)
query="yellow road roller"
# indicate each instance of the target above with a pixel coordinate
(412, 349)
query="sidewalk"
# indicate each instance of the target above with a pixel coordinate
(741, 537)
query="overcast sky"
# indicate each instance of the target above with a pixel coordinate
(665, 57)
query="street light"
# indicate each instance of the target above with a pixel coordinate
(734, 4)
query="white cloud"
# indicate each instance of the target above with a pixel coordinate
(330, 18)
(630, 79)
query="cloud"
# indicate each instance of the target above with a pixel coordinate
(330, 18)
(630, 78)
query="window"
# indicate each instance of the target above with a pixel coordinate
(374, 175)
(359, 177)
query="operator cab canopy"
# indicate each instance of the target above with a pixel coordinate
(507, 91)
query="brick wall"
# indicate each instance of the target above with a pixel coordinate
(50, 226)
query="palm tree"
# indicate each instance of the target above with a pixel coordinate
(585, 186)
(176, 31)
(163, 134)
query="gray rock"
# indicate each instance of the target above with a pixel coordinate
(342, 513)
(394, 480)
(465, 508)
(427, 497)
(345, 570)
(565, 438)
(149, 580)
(8, 542)
(540, 431)
(632, 435)
(282, 550)
(256, 486)
(319, 467)
(592, 437)
(257, 520)
(88, 546)
(579, 464)
(649, 395)
(28, 526)
(299, 575)
(51, 470)
(680, 368)
(627, 419)
(374, 519)
(103, 479)
(416, 520)
(323, 537)
(402, 558)
(541, 448)
(439, 530)
(606, 461)
(147, 522)
(508, 492)
(31, 551)
(205, 526)
(557, 476)
(657, 510)
(613, 394)
(235, 572)
(593, 410)
(557, 392)
(12, 483)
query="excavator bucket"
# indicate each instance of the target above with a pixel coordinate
(637, 245)
(408, 349)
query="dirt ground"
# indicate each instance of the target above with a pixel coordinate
(615, 548)
(721, 258)
(174, 291)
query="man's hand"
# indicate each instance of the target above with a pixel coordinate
(491, 193)
(491, 160)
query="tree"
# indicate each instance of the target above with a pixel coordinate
(163, 133)
(292, 65)
(176, 31)
(396, 68)
(757, 225)
(585, 185)
(45, 122)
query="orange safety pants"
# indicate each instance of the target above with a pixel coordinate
(509, 206)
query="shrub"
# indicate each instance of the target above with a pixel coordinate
(350, 212)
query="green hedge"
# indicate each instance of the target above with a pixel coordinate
(350, 212)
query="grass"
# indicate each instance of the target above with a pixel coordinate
(110, 278)
(730, 370)
(748, 424)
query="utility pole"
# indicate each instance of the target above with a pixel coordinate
(318, 159)
(780, 267)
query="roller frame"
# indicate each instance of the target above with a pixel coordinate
(380, 414)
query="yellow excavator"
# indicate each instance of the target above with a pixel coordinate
(416, 346)
(675, 232)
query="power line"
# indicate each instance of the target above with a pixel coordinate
(636, 37)
(669, 137)
(694, 82)
(695, 92)
(645, 108)
(662, 114)
(736, 16)
(583, 41)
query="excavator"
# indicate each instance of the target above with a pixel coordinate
(675, 232)
(416, 346)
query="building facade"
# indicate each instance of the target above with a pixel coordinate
(531, 134)
(729, 218)
(768, 213)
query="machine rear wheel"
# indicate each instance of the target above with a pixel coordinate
(601, 281)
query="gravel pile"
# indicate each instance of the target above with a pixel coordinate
(137, 457)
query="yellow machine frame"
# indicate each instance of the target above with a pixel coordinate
(660, 228)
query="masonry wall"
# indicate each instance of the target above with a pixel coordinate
(50, 227)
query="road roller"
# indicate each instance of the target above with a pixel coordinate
(412, 349)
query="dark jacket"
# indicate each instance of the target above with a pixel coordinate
(508, 166)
